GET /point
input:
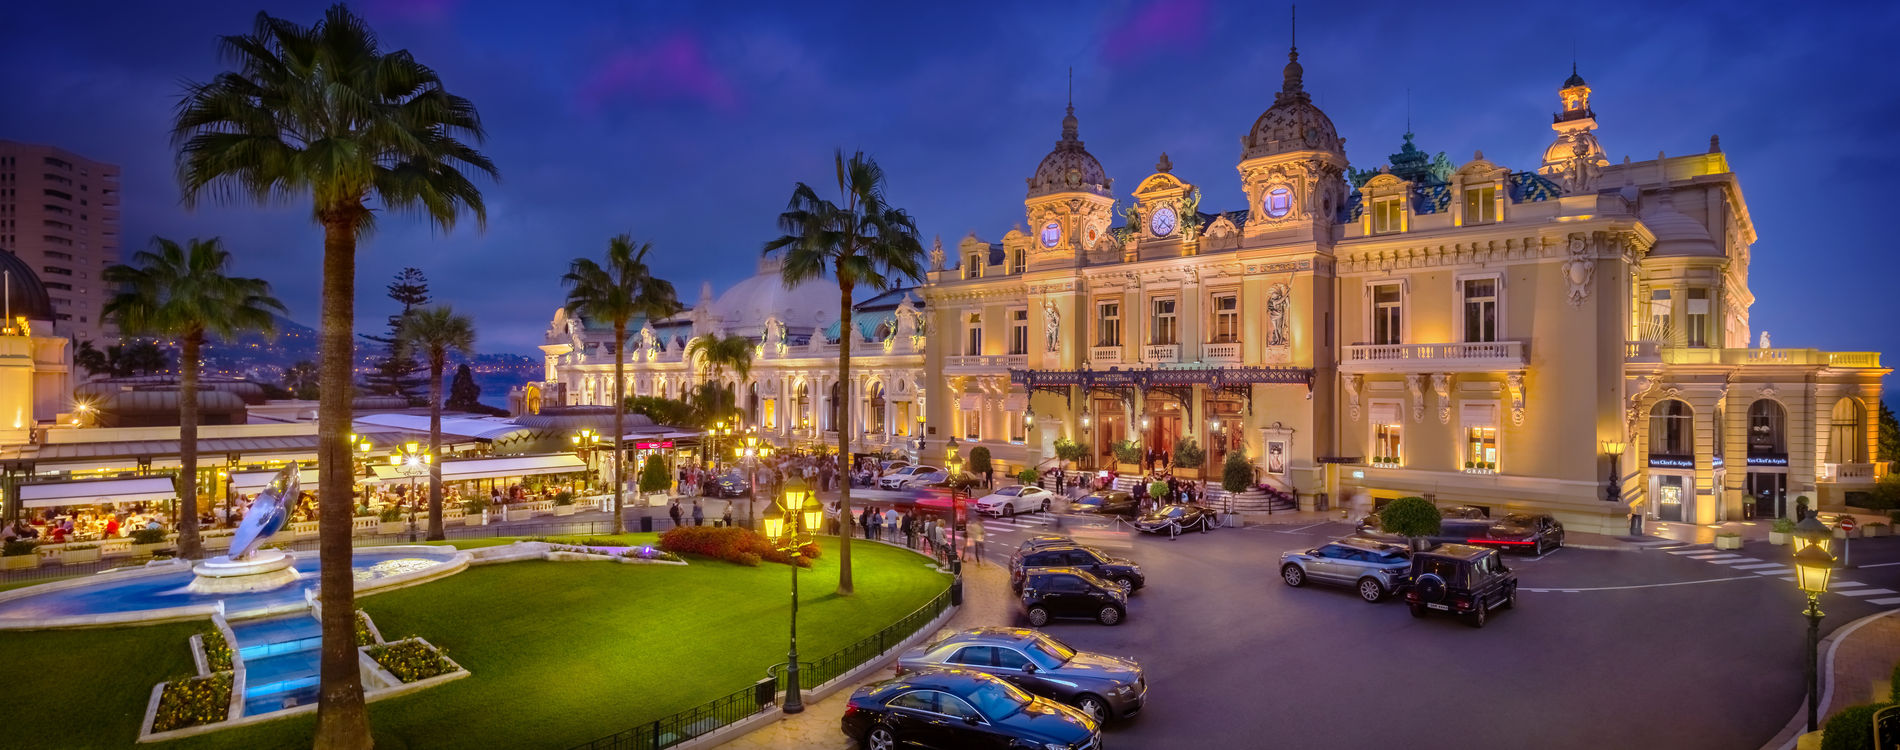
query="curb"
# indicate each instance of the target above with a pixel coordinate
(1796, 727)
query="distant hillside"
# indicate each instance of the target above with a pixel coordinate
(263, 358)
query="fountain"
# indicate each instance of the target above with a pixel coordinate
(247, 569)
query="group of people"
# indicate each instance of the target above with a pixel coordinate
(920, 531)
(57, 527)
(678, 513)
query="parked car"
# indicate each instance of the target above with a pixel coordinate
(1370, 523)
(1374, 569)
(942, 481)
(1107, 503)
(729, 484)
(1461, 531)
(1008, 501)
(942, 709)
(1121, 571)
(901, 478)
(1049, 593)
(1187, 517)
(892, 466)
(1040, 541)
(1461, 579)
(1532, 532)
(1104, 687)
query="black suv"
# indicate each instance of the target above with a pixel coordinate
(1107, 503)
(1121, 572)
(1463, 580)
(1072, 592)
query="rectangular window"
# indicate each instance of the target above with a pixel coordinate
(903, 418)
(1020, 263)
(1386, 444)
(973, 267)
(1163, 325)
(973, 345)
(1017, 431)
(1481, 309)
(1481, 205)
(972, 424)
(1019, 332)
(1388, 302)
(1388, 215)
(1697, 314)
(1660, 324)
(1108, 324)
(1226, 318)
(1480, 423)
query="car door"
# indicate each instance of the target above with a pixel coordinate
(917, 722)
(968, 729)
(1070, 595)
(1086, 560)
(1325, 563)
(1011, 664)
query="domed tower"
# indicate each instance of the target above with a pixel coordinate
(1069, 201)
(1575, 159)
(1292, 161)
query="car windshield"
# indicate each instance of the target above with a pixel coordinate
(1517, 519)
(998, 700)
(1049, 653)
(1009, 491)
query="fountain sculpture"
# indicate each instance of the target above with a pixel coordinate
(247, 568)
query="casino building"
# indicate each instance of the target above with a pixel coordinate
(1570, 337)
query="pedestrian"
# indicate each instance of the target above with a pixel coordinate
(889, 528)
(699, 514)
(673, 509)
(989, 476)
(728, 518)
(973, 542)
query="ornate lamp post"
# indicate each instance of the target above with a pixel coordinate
(796, 504)
(586, 442)
(751, 452)
(1813, 566)
(413, 462)
(1614, 491)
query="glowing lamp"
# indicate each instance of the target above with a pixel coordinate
(1811, 532)
(1613, 448)
(409, 447)
(774, 523)
(1813, 566)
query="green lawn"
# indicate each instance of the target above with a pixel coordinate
(561, 652)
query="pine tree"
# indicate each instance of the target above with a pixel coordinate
(464, 394)
(398, 373)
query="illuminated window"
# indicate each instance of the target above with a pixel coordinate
(1481, 205)
(1386, 445)
(973, 344)
(1108, 324)
(1480, 423)
(1481, 309)
(1162, 326)
(1018, 432)
(972, 424)
(1671, 429)
(1660, 310)
(1696, 318)
(902, 422)
(973, 267)
(1019, 332)
(1388, 303)
(1226, 318)
(1019, 262)
(1388, 215)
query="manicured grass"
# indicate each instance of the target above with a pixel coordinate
(630, 539)
(87, 688)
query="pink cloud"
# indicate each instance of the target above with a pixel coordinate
(676, 68)
(1157, 25)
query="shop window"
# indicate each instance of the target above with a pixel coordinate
(1480, 423)
(1765, 436)
(1387, 447)
(972, 424)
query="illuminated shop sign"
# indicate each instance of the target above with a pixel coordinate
(1767, 460)
(1671, 462)
(647, 445)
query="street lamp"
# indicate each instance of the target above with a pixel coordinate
(752, 451)
(586, 441)
(1613, 492)
(1813, 565)
(412, 462)
(796, 504)
(1085, 420)
(1812, 532)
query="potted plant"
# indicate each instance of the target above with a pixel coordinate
(79, 553)
(980, 462)
(147, 541)
(19, 554)
(1188, 456)
(1781, 532)
(1728, 540)
(1411, 517)
(1236, 476)
(1027, 476)
(1071, 451)
(1877, 529)
(1127, 456)
(475, 507)
(390, 521)
(564, 503)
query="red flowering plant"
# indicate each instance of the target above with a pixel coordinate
(732, 544)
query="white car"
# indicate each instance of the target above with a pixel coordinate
(1008, 501)
(902, 478)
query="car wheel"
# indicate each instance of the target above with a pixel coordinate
(1293, 575)
(1109, 616)
(1126, 583)
(1538, 549)
(1045, 506)
(880, 738)
(1038, 616)
(1094, 707)
(1009, 510)
(1371, 590)
(1479, 617)
(1418, 610)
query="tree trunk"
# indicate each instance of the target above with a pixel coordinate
(189, 545)
(342, 718)
(841, 412)
(620, 429)
(435, 445)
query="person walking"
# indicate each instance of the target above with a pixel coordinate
(673, 510)
(699, 514)
(728, 518)
(889, 530)
(973, 542)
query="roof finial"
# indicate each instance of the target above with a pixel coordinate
(1293, 31)
(1291, 86)
(1069, 130)
(1408, 111)
(1071, 87)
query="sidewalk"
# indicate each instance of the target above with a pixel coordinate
(1857, 663)
(985, 602)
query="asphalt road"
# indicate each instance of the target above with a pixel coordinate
(1655, 648)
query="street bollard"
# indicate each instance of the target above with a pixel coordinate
(1636, 524)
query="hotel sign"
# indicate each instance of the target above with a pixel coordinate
(647, 445)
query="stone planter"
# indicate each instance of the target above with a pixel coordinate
(1779, 538)
(146, 550)
(520, 513)
(19, 562)
(1877, 530)
(1728, 542)
(1122, 468)
(565, 510)
(69, 556)
(392, 527)
(1187, 472)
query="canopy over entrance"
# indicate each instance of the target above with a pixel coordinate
(97, 491)
(464, 469)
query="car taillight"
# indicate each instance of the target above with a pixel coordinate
(1461, 600)
(897, 670)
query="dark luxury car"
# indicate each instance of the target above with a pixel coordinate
(1106, 502)
(950, 709)
(1461, 579)
(1374, 569)
(1182, 516)
(729, 484)
(1040, 541)
(1104, 687)
(1048, 593)
(944, 482)
(1120, 571)
(1532, 532)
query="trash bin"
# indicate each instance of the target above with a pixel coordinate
(646, 524)
(956, 592)
(1636, 524)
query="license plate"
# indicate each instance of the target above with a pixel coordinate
(1438, 606)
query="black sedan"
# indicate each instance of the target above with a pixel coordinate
(1107, 503)
(1532, 532)
(1179, 516)
(730, 484)
(960, 708)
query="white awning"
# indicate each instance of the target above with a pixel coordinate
(1479, 415)
(1385, 412)
(97, 491)
(464, 469)
(253, 482)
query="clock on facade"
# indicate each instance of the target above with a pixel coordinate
(1278, 202)
(1051, 234)
(1163, 222)
(1091, 235)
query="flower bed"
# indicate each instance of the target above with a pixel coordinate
(411, 660)
(364, 636)
(735, 545)
(584, 547)
(191, 701)
(217, 651)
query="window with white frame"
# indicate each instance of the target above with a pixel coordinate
(1018, 432)
(1019, 261)
(1660, 309)
(1480, 424)
(973, 341)
(1481, 205)
(1481, 308)
(1226, 310)
(973, 267)
(1108, 324)
(972, 423)
(1162, 325)
(1388, 215)
(1019, 332)
(1387, 433)
(1696, 317)
(1388, 309)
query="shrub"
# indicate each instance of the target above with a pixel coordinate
(390, 514)
(217, 651)
(474, 506)
(17, 547)
(564, 497)
(80, 547)
(1411, 517)
(730, 543)
(1157, 489)
(979, 460)
(653, 477)
(1027, 476)
(1236, 474)
(1783, 526)
(190, 701)
(1128, 451)
(1851, 729)
(148, 536)
(1885, 495)
(1188, 454)
(1894, 694)
(1070, 450)
(411, 660)
(363, 636)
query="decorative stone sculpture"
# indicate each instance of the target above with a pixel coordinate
(1352, 395)
(1514, 382)
(1052, 327)
(1414, 385)
(1278, 297)
(1441, 386)
(247, 568)
(1580, 269)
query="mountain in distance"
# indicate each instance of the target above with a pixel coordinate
(254, 356)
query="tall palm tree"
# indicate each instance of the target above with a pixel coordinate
(721, 353)
(434, 331)
(183, 292)
(618, 292)
(862, 241)
(323, 110)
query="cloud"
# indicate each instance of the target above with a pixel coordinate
(675, 69)
(1154, 27)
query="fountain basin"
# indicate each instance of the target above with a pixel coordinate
(266, 570)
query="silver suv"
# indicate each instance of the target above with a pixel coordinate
(1104, 687)
(1373, 568)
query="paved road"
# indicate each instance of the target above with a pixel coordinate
(1679, 648)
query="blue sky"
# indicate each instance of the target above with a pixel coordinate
(687, 124)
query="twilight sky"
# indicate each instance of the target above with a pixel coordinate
(687, 124)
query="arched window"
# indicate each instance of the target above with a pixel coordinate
(1847, 433)
(835, 407)
(801, 409)
(1671, 429)
(1767, 436)
(877, 409)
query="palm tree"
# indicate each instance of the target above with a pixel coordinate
(323, 110)
(434, 331)
(619, 292)
(721, 353)
(864, 242)
(181, 291)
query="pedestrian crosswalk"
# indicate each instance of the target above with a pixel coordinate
(1871, 594)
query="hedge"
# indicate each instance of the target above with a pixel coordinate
(731, 544)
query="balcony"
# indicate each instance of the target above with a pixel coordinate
(1223, 352)
(1847, 473)
(1105, 355)
(1161, 353)
(1488, 356)
(1655, 351)
(989, 363)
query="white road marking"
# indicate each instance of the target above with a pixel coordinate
(1774, 571)
(1877, 565)
(1755, 566)
(1846, 584)
(1891, 600)
(1644, 585)
(1688, 551)
(1717, 557)
(1864, 592)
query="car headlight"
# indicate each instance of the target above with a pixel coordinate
(1055, 746)
(1124, 689)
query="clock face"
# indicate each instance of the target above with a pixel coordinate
(1163, 222)
(1278, 202)
(1074, 178)
(1051, 234)
(1092, 234)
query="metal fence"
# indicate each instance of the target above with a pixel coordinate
(848, 658)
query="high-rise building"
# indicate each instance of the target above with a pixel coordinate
(59, 212)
